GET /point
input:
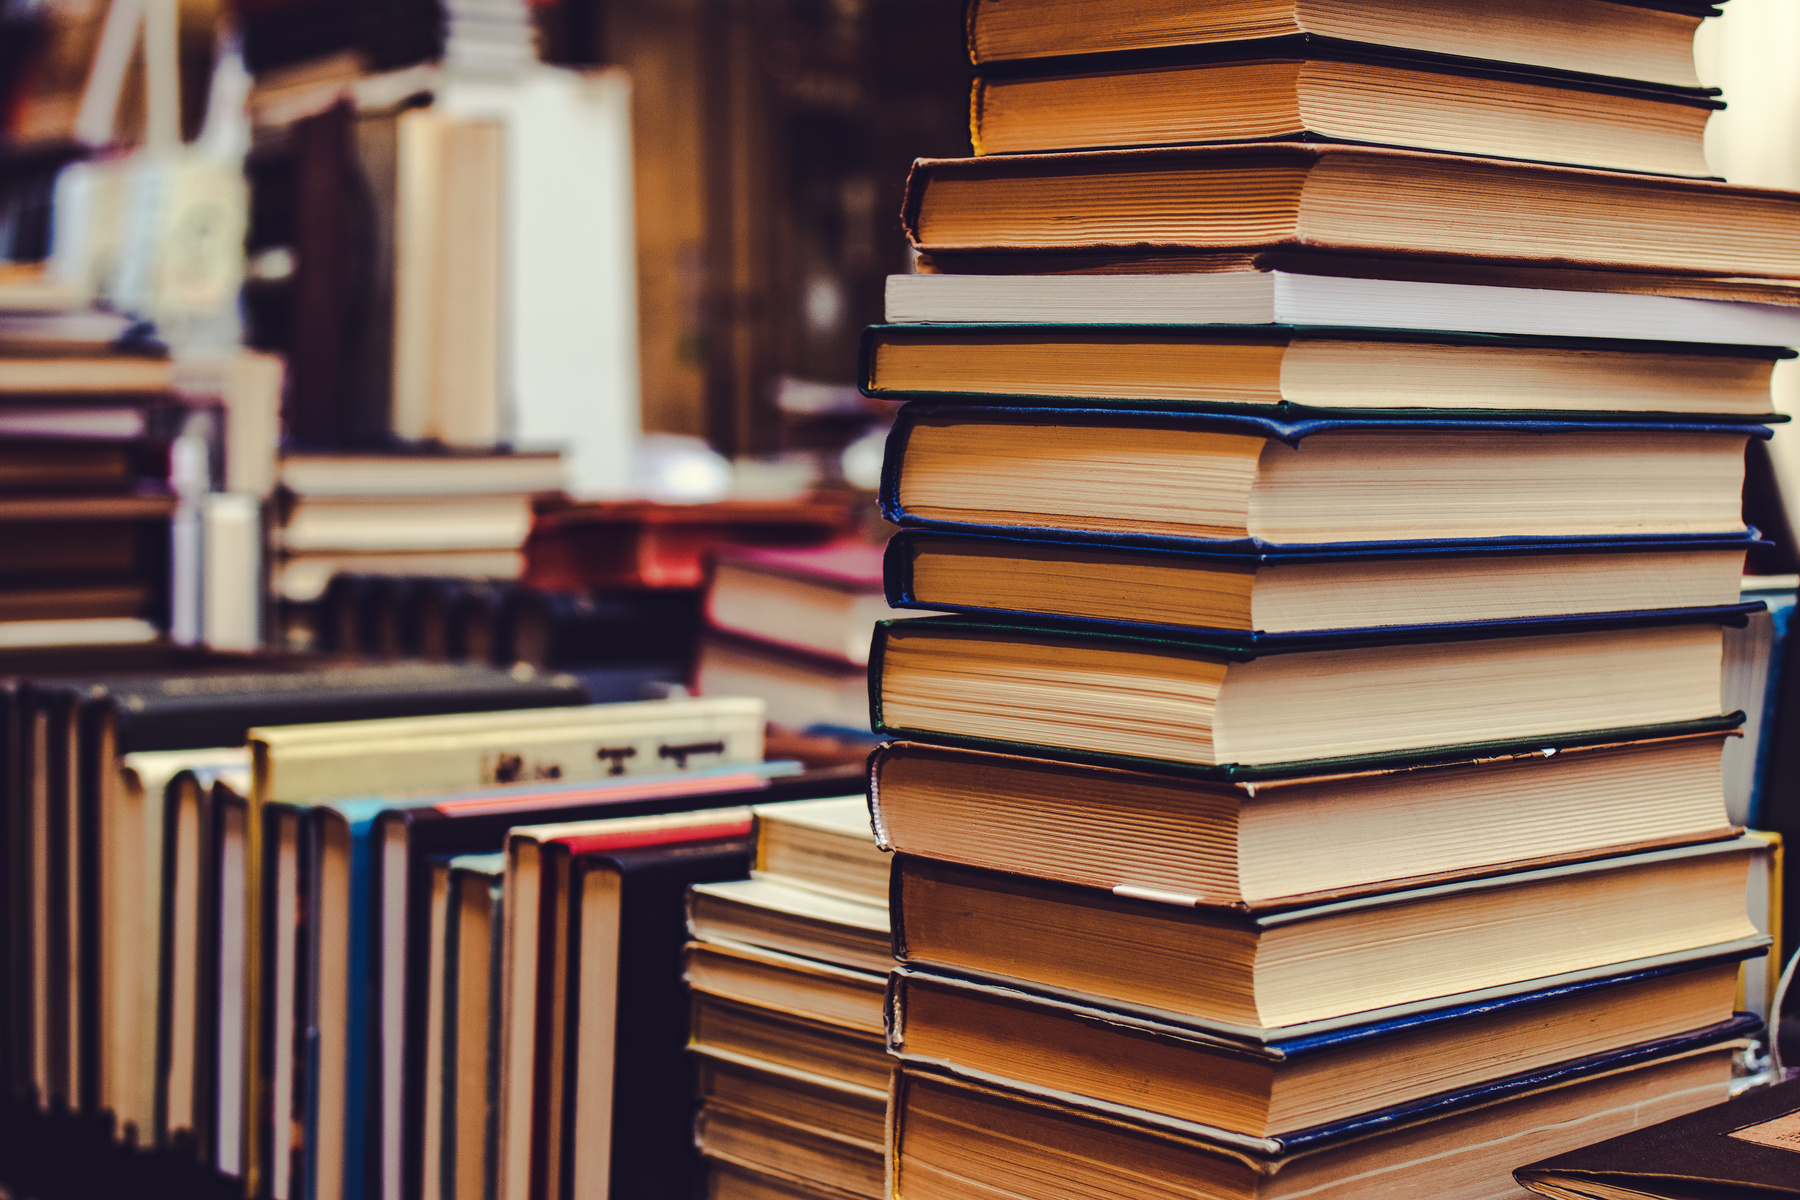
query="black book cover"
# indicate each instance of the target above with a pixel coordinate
(654, 1082)
(1747, 1147)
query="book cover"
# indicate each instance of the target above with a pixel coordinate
(1273, 338)
(1428, 203)
(1744, 1148)
(1281, 432)
(904, 547)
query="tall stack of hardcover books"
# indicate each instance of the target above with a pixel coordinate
(1326, 432)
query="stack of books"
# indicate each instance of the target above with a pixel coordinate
(787, 970)
(430, 514)
(87, 409)
(1317, 786)
(792, 626)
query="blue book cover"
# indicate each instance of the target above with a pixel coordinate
(905, 547)
(1289, 433)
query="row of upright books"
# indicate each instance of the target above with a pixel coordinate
(1329, 450)
(230, 933)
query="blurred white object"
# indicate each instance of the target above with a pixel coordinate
(570, 357)
(679, 470)
(231, 599)
(861, 462)
(786, 478)
(190, 479)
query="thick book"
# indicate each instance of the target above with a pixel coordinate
(1296, 372)
(1305, 88)
(1651, 41)
(1262, 592)
(439, 475)
(953, 1138)
(1295, 706)
(1298, 1087)
(1149, 474)
(1332, 964)
(1742, 1149)
(1279, 843)
(1335, 292)
(1264, 196)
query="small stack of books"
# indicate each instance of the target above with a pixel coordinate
(464, 515)
(86, 412)
(1317, 786)
(787, 970)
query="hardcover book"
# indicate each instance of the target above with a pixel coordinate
(1635, 40)
(1263, 592)
(1277, 843)
(1292, 707)
(597, 1087)
(1328, 965)
(1334, 291)
(1296, 372)
(1279, 195)
(1296, 1089)
(1162, 474)
(1305, 87)
(1739, 1150)
(955, 1140)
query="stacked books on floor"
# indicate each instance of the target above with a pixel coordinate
(87, 409)
(1317, 784)
(788, 970)
(450, 514)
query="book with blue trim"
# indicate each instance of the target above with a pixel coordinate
(1259, 592)
(953, 1139)
(1302, 704)
(1298, 1088)
(1275, 974)
(1293, 372)
(1164, 477)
